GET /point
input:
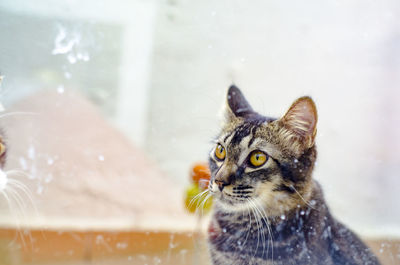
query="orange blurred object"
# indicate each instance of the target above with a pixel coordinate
(200, 175)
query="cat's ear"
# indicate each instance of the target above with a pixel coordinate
(236, 104)
(301, 120)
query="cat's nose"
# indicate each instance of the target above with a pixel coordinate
(221, 184)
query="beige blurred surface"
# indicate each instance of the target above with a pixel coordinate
(83, 173)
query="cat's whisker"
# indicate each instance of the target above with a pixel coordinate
(19, 199)
(261, 229)
(204, 202)
(262, 219)
(24, 189)
(258, 226)
(15, 215)
(298, 193)
(248, 232)
(21, 186)
(18, 172)
(18, 214)
(196, 197)
(8, 200)
(202, 198)
(269, 230)
(261, 225)
(17, 113)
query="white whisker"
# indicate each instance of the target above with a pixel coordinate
(248, 232)
(17, 113)
(298, 193)
(196, 197)
(21, 186)
(269, 230)
(19, 199)
(261, 225)
(203, 203)
(258, 226)
(18, 172)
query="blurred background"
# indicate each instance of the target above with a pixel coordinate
(107, 104)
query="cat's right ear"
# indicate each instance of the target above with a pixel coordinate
(236, 105)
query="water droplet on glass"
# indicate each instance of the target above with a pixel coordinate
(122, 245)
(22, 162)
(64, 43)
(39, 189)
(60, 89)
(99, 239)
(71, 59)
(31, 152)
(48, 178)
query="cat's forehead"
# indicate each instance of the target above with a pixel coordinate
(258, 134)
(242, 135)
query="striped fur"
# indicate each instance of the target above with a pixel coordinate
(275, 213)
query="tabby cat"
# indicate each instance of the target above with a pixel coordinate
(268, 209)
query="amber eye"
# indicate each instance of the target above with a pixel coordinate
(2, 149)
(220, 152)
(258, 158)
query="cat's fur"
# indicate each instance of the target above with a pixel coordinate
(274, 214)
(3, 152)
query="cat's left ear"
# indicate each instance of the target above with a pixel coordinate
(301, 120)
(236, 105)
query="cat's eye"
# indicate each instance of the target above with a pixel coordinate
(258, 158)
(220, 152)
(2, 149)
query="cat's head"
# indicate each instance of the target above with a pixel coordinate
(261, 160)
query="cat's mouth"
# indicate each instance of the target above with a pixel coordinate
(233, 196)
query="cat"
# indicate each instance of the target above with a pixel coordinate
(267, 207)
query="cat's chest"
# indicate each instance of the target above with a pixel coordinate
(248, 236)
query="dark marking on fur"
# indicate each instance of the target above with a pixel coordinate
(284, 188)
(264, 174)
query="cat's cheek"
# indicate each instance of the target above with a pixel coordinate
(264, 190)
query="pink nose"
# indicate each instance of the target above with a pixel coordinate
(221, 184)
